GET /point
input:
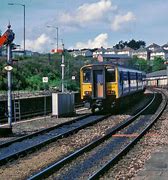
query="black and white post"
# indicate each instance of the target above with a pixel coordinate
(63, 68)
(8, 68)
(9, 77)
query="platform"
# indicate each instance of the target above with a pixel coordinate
(156, 168)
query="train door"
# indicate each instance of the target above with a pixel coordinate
(98, 83)
(121, 81)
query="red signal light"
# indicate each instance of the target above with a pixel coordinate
(57, 50)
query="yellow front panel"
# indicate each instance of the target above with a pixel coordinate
(117, 81)
(85, 87)
(113, 87)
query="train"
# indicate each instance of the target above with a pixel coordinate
(103, 85)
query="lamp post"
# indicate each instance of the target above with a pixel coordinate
(24, 34)
(57, 32)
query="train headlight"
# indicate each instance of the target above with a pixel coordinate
(87, 93)
(110, 92)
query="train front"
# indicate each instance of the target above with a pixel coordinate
(98, 84)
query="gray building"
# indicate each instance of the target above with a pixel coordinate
(143, 53)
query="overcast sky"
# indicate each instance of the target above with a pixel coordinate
(86, 23)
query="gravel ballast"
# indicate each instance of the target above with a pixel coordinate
(26, 166)
(133, 162)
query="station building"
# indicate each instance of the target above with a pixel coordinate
(157, 78)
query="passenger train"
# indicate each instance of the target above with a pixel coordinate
(104, 84)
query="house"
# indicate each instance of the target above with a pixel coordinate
(111, 51)
(142, 52)
(153, 47)
(99, 51)
(74, 52)
(121, 59)
(126, 50)
(86, 53)
(82, 52)
(165, 46)
(159, 53)
(21, 53)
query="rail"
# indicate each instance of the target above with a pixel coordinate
(46, 172)
(32, 142)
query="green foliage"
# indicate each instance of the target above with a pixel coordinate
(147, 66)
(3, 79)
(158, 64)
(28, 72)
(139, 63)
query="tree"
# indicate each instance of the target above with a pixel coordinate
(132, 44)
(120, 45)
(28, 72)
(158, 64)
(139, 63)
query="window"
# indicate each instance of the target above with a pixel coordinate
(139, 76)
(121, 77)
(125, 76)
(87, 76)
(132, 76)
(110, 76)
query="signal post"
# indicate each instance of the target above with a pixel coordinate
(7, 39)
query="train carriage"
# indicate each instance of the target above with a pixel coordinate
(103, 84)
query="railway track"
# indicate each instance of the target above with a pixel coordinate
(29, 143)
(92, 160)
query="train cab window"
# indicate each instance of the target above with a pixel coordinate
(110, 75)
(87, 76)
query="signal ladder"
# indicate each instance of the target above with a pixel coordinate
(17, 115)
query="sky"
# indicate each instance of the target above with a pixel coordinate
(85, 23)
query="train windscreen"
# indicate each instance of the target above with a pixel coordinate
(110, 75)
(87, 76)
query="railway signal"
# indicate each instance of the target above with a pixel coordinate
(7, 39)
(57, 50)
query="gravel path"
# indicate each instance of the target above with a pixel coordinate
(23, 167)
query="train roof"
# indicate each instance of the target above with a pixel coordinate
(162, 74)
(157, 74)
(112, 64)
